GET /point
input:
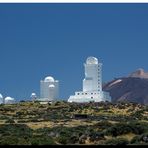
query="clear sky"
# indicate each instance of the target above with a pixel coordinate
(37, 40)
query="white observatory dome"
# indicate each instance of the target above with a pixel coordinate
(51, 86)
(33, 94)
(92, 60)
(9, 99)
(49, 79)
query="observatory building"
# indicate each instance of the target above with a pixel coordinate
(9, 100)
(33, 96)
(1, 99)
(49, 89)
(92, 84)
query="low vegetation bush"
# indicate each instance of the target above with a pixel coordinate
(4, 117)
(117, 141)
(22, 121)
(143, 138)
(57, 103)
(15, 130)
(62, 139)
(95, 136)
(137, 114)
(41, 140)
(103, 124)
(73, 139)
(135, 140)
(15, 134)
(10, 121)
(124, 128)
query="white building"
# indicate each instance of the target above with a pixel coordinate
(9, 100)
(1, 99)
(49, 89)
(33, 96)
(92, 84)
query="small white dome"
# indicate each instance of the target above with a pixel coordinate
(33, 94)
(92, 60)
(51, 86)
(1, 96)
(9, 98)
(49, 79)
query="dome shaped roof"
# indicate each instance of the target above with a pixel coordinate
(49, 79)
(1, 96)
(9, 98)
(92, 60)
(51, 86)
(33, 94)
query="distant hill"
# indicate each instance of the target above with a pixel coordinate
(133, 88)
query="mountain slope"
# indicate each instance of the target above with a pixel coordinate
(133, 88)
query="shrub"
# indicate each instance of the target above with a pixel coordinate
(73, 139)
(9, 140)
(124, 128)
(41, 140)
(10, 121)
(21, 121)
(118, 129)
(62, 140)
(3, 117)
(144, 137)
(140, 139)
(117, 141)
(97, 136)
(139, 128)
(135, 140)
(82, 139)
(57, 103)
(137, 114)
(20, 113)
(103, 124)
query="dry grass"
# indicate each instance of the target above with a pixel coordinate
(128, 136)
(38, 125)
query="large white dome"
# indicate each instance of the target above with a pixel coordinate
(9, 98)
(92, 60)
(49, 79)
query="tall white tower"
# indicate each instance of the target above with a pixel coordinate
(92, 84)
(49, 89)
(93, 75)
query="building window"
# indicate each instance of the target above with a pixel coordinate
(82, 93)
(91, 93)
(91, 97)
(78, 93)
(85, 93)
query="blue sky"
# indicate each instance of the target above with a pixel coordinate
(37, 40)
